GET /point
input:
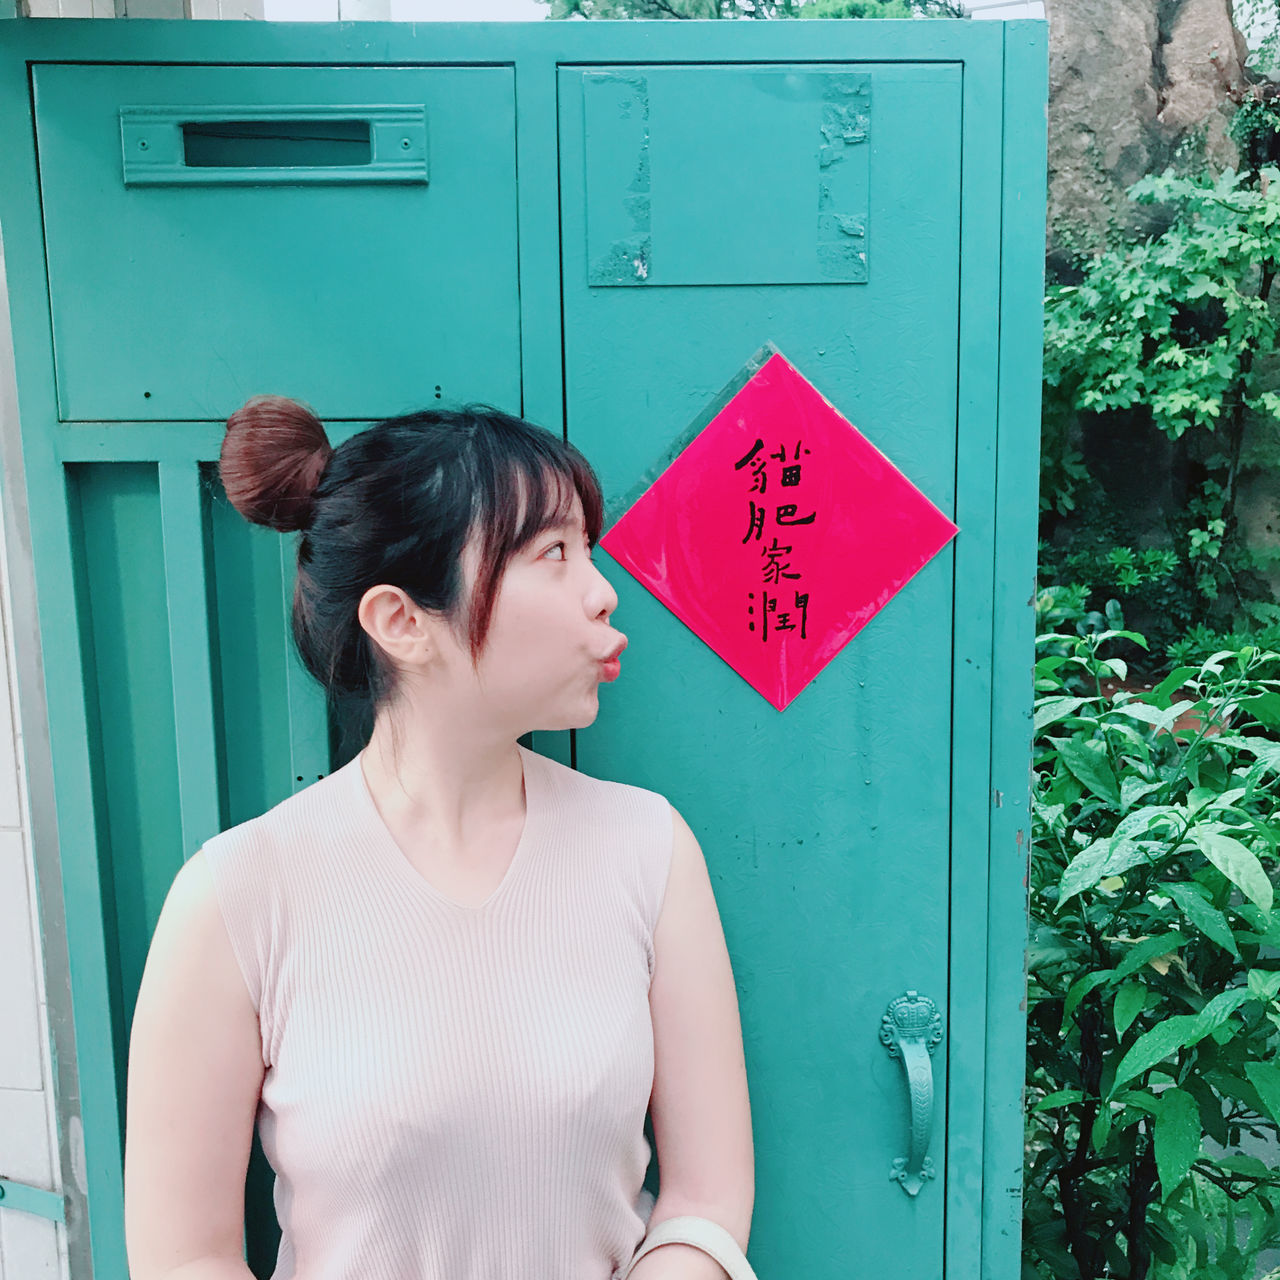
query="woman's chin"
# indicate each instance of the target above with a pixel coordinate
(587, 718)
(582, 718)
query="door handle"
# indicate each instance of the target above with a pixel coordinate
(911, 1029)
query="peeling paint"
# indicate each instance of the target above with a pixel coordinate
(629, 258)
(842, 261)
(831, 226)
(626, 262)
(845, 122)
(637, 208)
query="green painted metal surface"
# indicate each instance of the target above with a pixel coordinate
(21, 1198)
(869, 841)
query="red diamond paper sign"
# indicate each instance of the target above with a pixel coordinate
(778, 531)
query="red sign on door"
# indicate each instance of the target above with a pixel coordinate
(778, 532)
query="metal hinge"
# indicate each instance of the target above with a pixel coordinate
(28, 1199)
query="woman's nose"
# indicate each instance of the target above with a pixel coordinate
(602, 599)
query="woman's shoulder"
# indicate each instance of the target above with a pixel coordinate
(600, 793)
(292, 823)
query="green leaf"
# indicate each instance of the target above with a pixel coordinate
(1088, 762)
(1177, 1138)
(1165, 1240)
(1265, 1077)
(1264, 984)
(1063, 1098)
(1222, 1006)
(1250, 1165)
(1129, 1002)
(1101, 1128)
(1141, 1100)
(1174, 1034)
(1164, 691)
(1238, 864)
(1266, 751)
(1148, 949)
(1105, 857)
(1081, 988)
(1139, 640)
(1051, 710)
(1155, 820)
(1159, 719)
(1208, 919)
(1046, 946)
(1133, 788)
(1265, 707)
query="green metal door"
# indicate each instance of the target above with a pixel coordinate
(829, 823)
(595, 225)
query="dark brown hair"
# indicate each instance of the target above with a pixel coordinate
(396, 504)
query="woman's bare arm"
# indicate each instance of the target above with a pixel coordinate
(700, 1107)
(195, 1076)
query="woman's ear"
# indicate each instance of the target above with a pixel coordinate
(406, 633)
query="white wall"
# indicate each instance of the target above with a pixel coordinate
(1005, 8)
(145, 8)
(31, 1248)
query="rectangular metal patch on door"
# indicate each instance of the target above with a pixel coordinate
(708, 179)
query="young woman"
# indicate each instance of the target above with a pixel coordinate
(448, 979)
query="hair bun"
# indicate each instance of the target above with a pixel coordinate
(272, 457)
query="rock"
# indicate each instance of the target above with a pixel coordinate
(1203, 63)
(1134, 86)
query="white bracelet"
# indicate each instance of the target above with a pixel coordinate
(703, 1234)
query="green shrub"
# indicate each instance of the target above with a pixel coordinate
(1153, 1019)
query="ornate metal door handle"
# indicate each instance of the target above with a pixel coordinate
(910, 1030)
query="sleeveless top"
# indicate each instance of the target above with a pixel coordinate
(452, 1092)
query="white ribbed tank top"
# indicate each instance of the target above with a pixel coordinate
(452, 1092)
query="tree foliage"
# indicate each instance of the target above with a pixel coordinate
(695, 9)
(1167, 334)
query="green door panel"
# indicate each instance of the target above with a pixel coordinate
(250, 662)
(827, 827)
(178, 301)
(120, 587)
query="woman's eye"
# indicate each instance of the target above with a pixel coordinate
(557, 546)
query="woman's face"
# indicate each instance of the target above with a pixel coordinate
(550, 638)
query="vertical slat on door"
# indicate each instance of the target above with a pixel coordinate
(1021, 351)
(972, 643)
(308, 715)
(182, 530)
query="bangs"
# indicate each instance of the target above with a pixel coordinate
(527, 485)
(544, 500)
